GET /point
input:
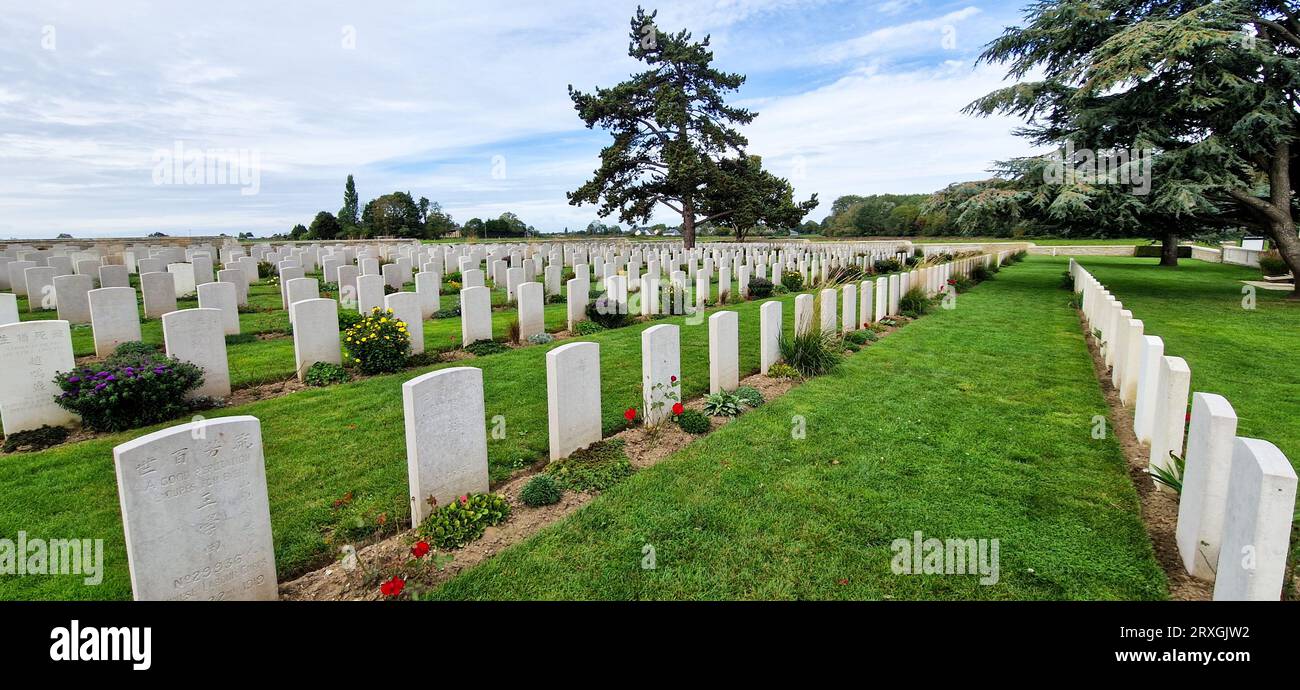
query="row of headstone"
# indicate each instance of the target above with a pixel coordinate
(1238, 494)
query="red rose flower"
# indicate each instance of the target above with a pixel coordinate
(630, 414)
(464, 499)
(678, 408)
(393, 587)
(420, 550)
(673, 379)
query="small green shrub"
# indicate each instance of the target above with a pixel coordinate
(348, 318)
(464, 520)
(781, 370)
(887, 266)
(449, 313)
(135, 347)
(792, 281)
(980, 273)
(265, 269)
(750, 396)
(556, 299)
(541, 338)
(861, 337)
(604, 311)
(594, 468)
(961, 283)
(844, 274)
(914, 303)
(483, 348)
(723, 404)
(760, 288)
(812, 352)
(694, 422)
(453, 277)
(1271, 264)
(129, 390)
(325, 374)
(588, 328)
(240, 339)
(541, 490)
(33, 440)
(378, 343)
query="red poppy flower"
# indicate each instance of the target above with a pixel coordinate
(844, 581)
(673, 379)
(393, 587)
(464, 499)
(420, 550)
(678, 408)
(630, 414)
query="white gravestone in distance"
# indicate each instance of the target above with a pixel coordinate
(71, 294)
(222, 297)
(195, 336)
(427, 286)
(183, 274)
(724, 351)
(31, 354)
(159, 293)
(406, 308)
(475, 315)
(370, 293)
(315, 333)
(195, 513)
(446, 438)
(770, 334)
(9, 308)
(532, 314)
(573, 397)
(114, 318)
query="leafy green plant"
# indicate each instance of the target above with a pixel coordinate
(464, 520)
(512, 331)
(483, 348)
(449, 313)
(792, 281)
(1271, 264)
(588, 328)
(541, 338)
(1171, 476)
(594, 468)
(760, 288)
(980, 273)
(325, 374)
(887, 266)
(605, 312)
(556, 299)
(541, 490)
(750, 396)
(861, 337)
(129, 390)
(781, 370)
(915, 303)
(32, 440)
(694, 422)
(812, 352)
(135, 347)
(348, 318)
(723, 404)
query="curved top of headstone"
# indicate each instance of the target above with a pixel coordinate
(197, 315)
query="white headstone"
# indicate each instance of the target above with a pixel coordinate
(72, 298)
(428, 286)
(475, 315)
(406, 308)
(195, 512)
(222, 297)
(576, 300)
(803, 314)
(770, 334)
(370, 293)
(1256, 524)
(1153, 353)
(315, 333)
(159, 293)
(1210, 440)
(114, 318)
(114, 276)
(40, 289)
(1172, 388)
(724, 352)
(573, 397)
(9, 308)
(446, 438)
(183, 274)
(660, 372)
(31, 354)
(532, 305)
(849, 319)
(196, 336)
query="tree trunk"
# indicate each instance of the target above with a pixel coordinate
(1288, 245)
(688, 224)
(1169, 249)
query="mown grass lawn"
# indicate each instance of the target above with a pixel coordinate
(971, 423)
(1247, 356)
(323, 444)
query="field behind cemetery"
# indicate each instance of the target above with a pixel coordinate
(971, 423)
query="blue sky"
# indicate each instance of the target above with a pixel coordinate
(464, 103)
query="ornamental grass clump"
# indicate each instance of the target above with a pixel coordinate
(130, 389)
(378, 344)
(811, 353)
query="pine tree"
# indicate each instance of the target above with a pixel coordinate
(673, 132)
(350, 214)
